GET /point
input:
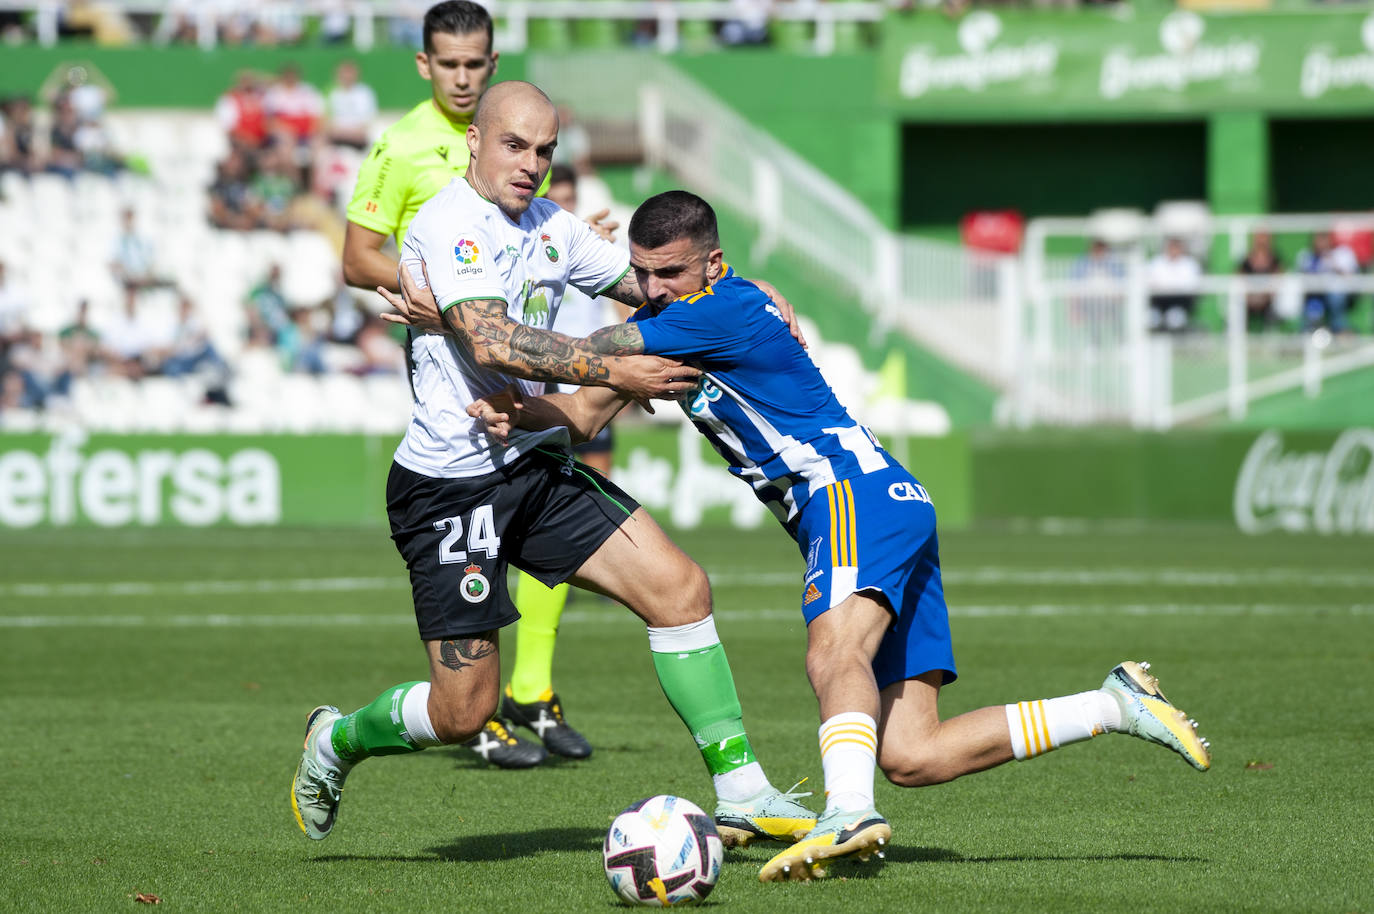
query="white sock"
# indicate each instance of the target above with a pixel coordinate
(415, 716)
(739, 785)
(849, 754)
(1038, 726)
(324, 750)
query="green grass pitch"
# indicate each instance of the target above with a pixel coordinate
(155, 685)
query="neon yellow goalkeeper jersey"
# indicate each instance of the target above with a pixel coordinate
(410, 162)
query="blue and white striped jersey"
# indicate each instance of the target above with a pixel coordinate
(762, 403)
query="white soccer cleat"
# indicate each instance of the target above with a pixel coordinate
(1146, 713)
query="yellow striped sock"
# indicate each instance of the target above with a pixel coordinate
(849, 755)
(1038, 726)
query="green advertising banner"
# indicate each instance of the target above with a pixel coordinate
(1104, 63)
(1296, 482)
(323, 480)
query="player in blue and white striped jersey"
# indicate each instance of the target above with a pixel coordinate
(878, 641)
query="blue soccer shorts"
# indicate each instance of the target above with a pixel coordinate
(877, 533)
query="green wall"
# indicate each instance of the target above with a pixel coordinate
(1313, 480)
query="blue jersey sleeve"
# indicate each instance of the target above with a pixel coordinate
(710, 329)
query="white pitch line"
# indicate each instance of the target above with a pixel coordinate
(1071, 577)
(990, 575)
(608, 615)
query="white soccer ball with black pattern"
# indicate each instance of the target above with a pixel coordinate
(663, 851)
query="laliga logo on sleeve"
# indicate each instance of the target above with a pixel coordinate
(467, 258)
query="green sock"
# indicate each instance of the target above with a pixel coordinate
(701, 688)
(377, 729)
(540, 609)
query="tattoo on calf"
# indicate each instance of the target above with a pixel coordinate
(456, 653)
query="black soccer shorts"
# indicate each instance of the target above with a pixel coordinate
(545, 514)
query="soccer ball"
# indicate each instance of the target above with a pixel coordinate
(663, 851)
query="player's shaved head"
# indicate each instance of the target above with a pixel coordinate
(505, 99)
(511, 140)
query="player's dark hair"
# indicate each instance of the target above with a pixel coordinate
(562, 174)
(456, 17)
(671, 216)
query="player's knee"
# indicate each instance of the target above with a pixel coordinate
(683, 597)
(828, 658)
(911, 766)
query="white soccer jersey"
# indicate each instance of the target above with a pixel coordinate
(471, 251)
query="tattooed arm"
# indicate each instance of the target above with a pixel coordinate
(484, 329)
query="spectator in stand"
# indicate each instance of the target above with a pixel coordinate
(14, 312)
(191, 348)
(240, 112)
(1098, 306)
(335, 21)
(133, 260)
(21, 153)
(232, 202)
(405, 26)
(301, 344)
(1328, 306)
(278, 23)
(749, 24)
(80, 344)
(268, 306)
(295, 109)
(39, 362)
(9, 158)
(1174, 277)
(352, 107)
(1261, 260)
(380, 353)
(346, 316)
(275, 187)
(131, 340)
(64, 152)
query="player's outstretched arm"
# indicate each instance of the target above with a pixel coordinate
(584, 412)
(483, 327)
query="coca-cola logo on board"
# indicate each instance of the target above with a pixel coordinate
(1329, 491)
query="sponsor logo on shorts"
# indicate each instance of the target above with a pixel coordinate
(474, 586)
(813, 561)
(908, 491)
(812, 595)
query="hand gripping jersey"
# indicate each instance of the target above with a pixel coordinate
(762, 403)
(473, 251)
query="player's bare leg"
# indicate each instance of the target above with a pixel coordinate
(639, 566)
(457, 701)
(841, 644)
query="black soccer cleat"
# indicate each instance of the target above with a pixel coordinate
(545, 718)
(498, 745)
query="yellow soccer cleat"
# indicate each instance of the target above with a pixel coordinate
(862, 834)
(770, 816)
(1146, 713)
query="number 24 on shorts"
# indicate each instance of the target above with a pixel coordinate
(482, 536)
